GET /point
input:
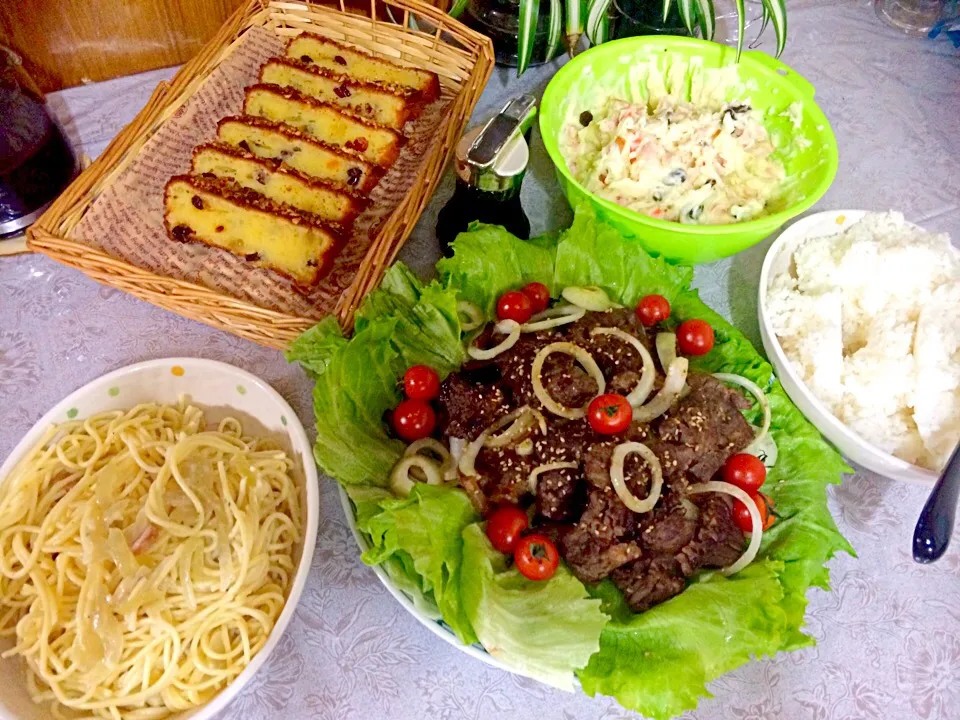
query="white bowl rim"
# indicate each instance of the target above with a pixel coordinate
(300, 442)
(898, 469)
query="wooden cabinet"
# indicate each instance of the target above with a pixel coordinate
(65, 42)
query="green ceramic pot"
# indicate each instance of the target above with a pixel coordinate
(768, 83)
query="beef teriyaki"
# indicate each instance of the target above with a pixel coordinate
(649, 556)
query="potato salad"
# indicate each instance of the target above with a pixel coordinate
(676, 162)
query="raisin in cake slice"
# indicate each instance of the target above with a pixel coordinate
(278, 183)
(325, 122)
(363, 66)
(388, 106)
(275, 141)
(220, 213)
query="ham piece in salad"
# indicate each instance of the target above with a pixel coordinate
(677, 162)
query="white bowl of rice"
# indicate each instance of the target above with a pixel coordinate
(858, 314)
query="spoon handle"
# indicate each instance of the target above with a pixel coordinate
(935, 524)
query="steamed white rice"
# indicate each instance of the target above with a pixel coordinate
(870, 319)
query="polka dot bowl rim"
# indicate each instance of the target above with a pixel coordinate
(219, 389)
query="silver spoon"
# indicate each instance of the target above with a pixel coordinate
(935, 525)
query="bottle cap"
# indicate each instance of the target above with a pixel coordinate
(494, 156)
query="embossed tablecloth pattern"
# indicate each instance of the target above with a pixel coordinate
(889, 633)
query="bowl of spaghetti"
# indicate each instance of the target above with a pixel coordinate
(156, 531)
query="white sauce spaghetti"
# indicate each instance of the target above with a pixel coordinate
(143, 560)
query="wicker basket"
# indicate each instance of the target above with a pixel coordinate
(461, 57)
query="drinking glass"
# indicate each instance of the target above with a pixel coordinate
(913, 17)
(726, 14)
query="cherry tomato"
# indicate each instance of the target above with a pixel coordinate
(695, 337)
(514, 305)
(653, 309)
(741, 516)
(539, 296)
(414, 420)
(421, 383)
(505, 526)
(609, 414)
(536, 557)
(745, 471)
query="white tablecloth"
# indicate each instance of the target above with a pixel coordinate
(889, 633)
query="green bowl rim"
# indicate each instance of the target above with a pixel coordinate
(757, 224)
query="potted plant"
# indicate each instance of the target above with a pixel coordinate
(567, 20)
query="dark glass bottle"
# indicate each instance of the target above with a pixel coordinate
(491, 161)
(470, 204)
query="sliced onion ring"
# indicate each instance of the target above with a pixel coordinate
(400, 480)
(663, 400)
(666, 349)
(589, 297)
(761, 397)
(586, 361)
(553, 317)
(525, 447)
(472, 313)
(517, 430)
(620, 453)
(523, 419)
(540, 469)
(541, 420)
(435, 446)
(756, 523)
(457, 447)
(417, 447)
(466, 464)
(510, 328)
(639, 394)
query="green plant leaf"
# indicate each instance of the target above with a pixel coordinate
(777, 10)
(576, 13)
(708, 18)
(526, 33)
(554, 31)
(598, 24)
(740, 27)
(763, 26)
(688, 14)
(458, 7)
(666, 9)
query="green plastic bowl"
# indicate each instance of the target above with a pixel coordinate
(769, 84)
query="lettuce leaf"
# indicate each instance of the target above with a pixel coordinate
(472, 274)
(593, 253)
(658, 662)
(544, 630)
(315, 348)
(402, 324)
(423, 532)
